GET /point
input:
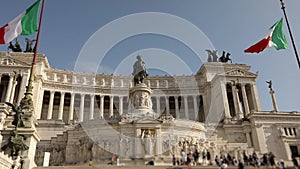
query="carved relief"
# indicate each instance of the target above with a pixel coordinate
(236, 137)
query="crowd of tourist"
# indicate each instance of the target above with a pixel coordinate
(223, 161)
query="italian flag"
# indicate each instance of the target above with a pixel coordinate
(24, 24)
(276, 38)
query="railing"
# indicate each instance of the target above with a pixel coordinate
(72, 78)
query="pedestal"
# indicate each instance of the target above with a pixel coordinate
(31, 139)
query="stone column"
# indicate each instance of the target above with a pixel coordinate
(50, 108)
(121, 105)
(167, 105)
(101, 106)
(40, 103)
(240, 114)
(186, 108)
(92, 107)
(81, 109)
(61, 105)
(9, 88)
(233, 90)
(22, 87)
(225, 101)
(274, 100)
(236, 101)
(158, 104)
(245, 100)
(255, 97)
(205, 105)
(111, 106)
(71, 110)
(195, 107)
(12, 95)
(176, 107)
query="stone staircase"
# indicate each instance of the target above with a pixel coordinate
(139, 167)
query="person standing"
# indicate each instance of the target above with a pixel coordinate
(91, 162)
(240, 165)
(281, 164)
(295, 162)
(223, 166)
(272, 160)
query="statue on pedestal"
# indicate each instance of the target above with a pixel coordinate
(270, 84)
(139, 71)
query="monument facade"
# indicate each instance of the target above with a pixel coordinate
(82, 116)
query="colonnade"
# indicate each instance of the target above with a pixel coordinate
(12, 87)
(243, 98)
(88, 106)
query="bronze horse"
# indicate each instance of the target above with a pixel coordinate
(224, 58)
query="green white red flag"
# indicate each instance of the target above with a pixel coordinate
(276, 38)
(24, 24)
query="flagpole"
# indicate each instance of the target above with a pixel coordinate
(32, 69)
(27, 103)
(290, 32)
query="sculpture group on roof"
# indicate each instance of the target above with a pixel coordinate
(213, 56)
(16, 47)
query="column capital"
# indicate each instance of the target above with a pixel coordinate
(62, 92)
(52, 91)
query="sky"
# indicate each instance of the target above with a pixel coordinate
(104, 36)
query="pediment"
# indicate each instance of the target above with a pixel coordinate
(239, 72)
(10, 61)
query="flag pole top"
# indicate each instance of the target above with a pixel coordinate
(290, 32)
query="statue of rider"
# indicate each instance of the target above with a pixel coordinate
(139, 71)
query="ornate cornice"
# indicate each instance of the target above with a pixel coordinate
(272, 117)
